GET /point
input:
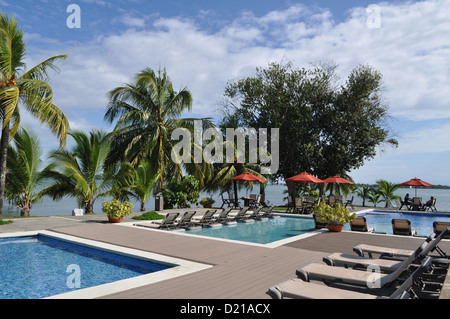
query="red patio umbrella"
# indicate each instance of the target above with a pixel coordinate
(247, 176)
(416, 182)
(304, 177)
(337, 180)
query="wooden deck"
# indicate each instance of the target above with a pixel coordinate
(239, 271)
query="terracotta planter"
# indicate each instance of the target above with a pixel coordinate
(115, 220)
(207, 206)
(335, 228)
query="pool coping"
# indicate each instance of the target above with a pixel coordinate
(180, 267)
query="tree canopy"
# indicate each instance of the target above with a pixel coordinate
(326, 129)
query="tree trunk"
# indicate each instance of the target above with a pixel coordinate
(25, 211)
(88, 207)
(142, 206)
(3, 153)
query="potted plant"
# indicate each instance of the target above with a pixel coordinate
(207, 202)
(116, 211)
(335, 217)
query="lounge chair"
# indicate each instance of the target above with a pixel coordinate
(439, 227)
(362, 278)
(359, 262)
(267, 213)
(224, 218)
(402, 227)
(241, 216)
(186, 221)
(365, 250)
(168, 223)
(299, 289)
(360, 224)
(207, 220)
(254, 213)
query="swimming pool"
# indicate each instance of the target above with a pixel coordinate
(422, 223)
(261, 231)
(49, 265)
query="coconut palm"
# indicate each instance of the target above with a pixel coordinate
(28, 88)
(144, 181)
(387, 191)
(363, 192)
(81, 172)
(374, 197)
(24, 174)
(147, 111)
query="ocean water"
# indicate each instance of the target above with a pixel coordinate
(275, 194)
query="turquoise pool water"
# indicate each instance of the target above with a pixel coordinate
(261, 232)
(38, 267)
(422, 223)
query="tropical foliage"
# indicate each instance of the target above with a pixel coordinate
(27, 88)
(147, 111)
(25, 171)
(181, 192)
(81, 172)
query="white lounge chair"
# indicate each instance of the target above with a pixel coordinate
(297, 288)
(363, 278)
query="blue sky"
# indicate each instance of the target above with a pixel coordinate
(203, 44)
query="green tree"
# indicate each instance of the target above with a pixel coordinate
(81, 172)
(325, 128)
(374, 197)
(363, 192)
(180, 192)
(24, 171)
(145, 179)
(387, 191)
(147, 111)
(29, 88)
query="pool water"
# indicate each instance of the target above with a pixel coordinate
(422, 223)
(260, 232)
(38, 267)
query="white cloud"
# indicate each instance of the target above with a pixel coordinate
(410, 49)
(132, 21)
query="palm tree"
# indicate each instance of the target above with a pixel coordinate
(81, 173)
(144, 180)
(147, 111)
(363, 192)
(387, 191)
(28, 88)
(374, 197)
(24, 172)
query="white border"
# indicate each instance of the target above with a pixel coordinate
(181, 266)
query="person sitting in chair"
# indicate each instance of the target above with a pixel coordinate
(408, 200)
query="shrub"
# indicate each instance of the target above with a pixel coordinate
(149, 216)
